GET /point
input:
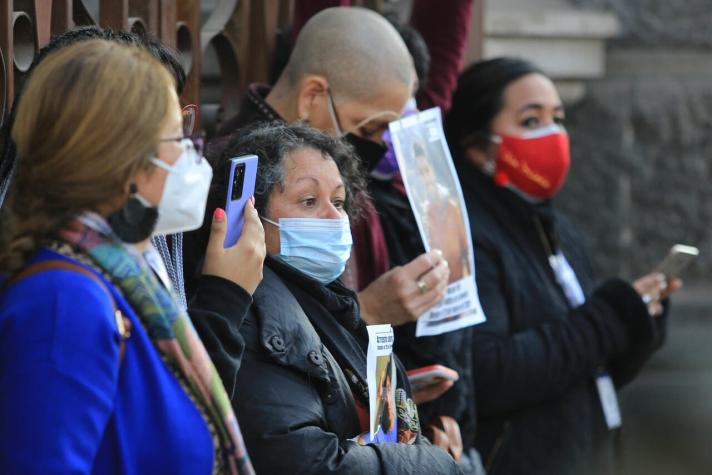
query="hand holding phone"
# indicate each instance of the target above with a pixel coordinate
(236, 247)
(430, 375)
(242, 173)
(657, 286)
(677, 260)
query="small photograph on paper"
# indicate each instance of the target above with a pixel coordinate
(436, 203)
(384, 422)
(381, 375)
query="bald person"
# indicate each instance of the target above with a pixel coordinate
(349, 75)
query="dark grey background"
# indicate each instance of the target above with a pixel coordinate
(641, 180)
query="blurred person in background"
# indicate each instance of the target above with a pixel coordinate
(552, 334)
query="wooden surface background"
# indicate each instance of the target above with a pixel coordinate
(224, 44)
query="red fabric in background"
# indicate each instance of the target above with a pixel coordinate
(305, 9)
(370, 251)
(445, 27)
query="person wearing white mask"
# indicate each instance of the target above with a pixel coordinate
(302, 391)
(101, 369)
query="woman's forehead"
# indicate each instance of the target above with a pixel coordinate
(307, 160)
(530, 89)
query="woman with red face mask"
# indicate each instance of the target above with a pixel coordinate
(555, 346)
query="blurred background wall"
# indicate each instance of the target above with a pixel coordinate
(637, 79)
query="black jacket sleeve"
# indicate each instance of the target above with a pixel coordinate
(218, 309)
(517, 369)
(284, 425)
(625, 368)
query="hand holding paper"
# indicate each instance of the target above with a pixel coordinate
(403, 294)
(436, 199)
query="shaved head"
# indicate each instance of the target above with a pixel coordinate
(355, 49)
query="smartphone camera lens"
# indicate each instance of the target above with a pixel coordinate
(238, 182)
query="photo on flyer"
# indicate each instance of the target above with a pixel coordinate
(438, 205)
(381, 375)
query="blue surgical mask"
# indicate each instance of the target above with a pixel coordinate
(317, 247)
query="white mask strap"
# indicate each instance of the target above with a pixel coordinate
(269, 221)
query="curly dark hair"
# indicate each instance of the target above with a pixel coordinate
(272, 143)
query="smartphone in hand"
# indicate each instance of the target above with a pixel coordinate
(241, 186)
(429, 375)
(677, 260)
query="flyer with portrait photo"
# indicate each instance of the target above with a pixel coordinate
(381, 375)
(436, 199)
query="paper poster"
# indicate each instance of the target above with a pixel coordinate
(381, 371)
(436, 199)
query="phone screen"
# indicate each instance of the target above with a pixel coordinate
(677, 260)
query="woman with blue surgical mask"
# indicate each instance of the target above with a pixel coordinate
(303, 393)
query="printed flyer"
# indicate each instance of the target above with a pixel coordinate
(436, 199)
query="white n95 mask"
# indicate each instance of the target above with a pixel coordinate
(185, 194)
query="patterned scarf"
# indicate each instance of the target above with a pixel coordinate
(171, 331)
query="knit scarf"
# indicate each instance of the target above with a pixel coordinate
(169, 328)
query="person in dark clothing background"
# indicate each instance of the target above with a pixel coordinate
(550, 329)
(301, 388)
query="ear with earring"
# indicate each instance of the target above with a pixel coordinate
(135, 220)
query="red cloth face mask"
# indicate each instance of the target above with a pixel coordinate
(535, 163)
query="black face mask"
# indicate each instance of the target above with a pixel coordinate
(134, 221)
(368, 151)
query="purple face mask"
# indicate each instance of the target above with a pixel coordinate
(388, 166)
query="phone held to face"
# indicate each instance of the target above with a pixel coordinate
(677, 260)
(429, 375)
(241, 186)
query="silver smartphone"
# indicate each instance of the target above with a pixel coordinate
(677, 260)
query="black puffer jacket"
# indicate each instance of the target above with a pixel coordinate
(295, 405)
(535, 359)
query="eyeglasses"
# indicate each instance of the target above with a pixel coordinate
(196, 142)
(334, 116)
(337, 123)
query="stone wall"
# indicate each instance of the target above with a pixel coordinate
(660, 22)
(641, 178)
